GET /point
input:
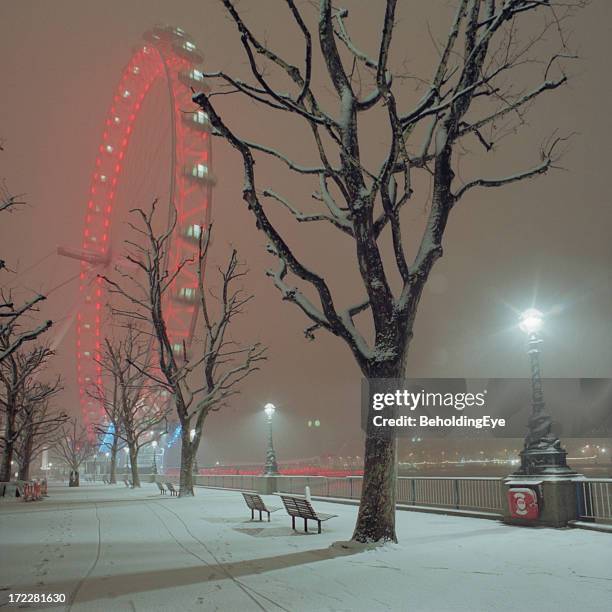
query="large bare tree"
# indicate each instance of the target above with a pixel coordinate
(135, 405)
(477, 91)
(202, 377)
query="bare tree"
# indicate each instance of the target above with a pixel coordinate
(38, 423)
(480, 60)
(17, 377)
(137, 405)
(200, 378)
(73, 447)
(11, 313)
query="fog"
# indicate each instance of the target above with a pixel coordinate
(544, 241)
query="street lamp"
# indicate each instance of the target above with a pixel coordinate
(271, 467)
(154, 445)
(542, 452)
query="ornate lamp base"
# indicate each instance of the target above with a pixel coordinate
(545, 457)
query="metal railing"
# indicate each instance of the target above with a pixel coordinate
(472, 494)
(238, 482)
(594, 497)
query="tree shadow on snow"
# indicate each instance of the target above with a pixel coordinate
(101, 587)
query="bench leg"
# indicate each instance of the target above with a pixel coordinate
(319, 522)
(260, 518)
(305, 525)
(293, 522)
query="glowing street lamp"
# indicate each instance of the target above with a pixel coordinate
(271, 467)
(542, 452)
(154, 445)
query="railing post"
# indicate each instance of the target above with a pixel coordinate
(413, 488)
(456, 481)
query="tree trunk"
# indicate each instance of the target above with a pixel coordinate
(7, 457)
(24, 470)
(112, 477)
(9, 442)
(26, 457)
(188, 451)
(376, 517)
(134, 466)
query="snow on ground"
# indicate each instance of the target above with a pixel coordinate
(112, 548)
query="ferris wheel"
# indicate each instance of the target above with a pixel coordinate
(173, 155)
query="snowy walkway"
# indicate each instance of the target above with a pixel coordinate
(110, 548)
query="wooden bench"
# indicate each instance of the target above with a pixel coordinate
(254, 502)
(298, 507)
(161, 488)
(171, 488)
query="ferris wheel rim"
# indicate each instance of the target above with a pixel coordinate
(174, 58)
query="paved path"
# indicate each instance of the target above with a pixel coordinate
(111, 548)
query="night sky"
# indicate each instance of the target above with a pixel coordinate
(544, 242)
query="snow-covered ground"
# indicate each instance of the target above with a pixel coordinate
(111, 548)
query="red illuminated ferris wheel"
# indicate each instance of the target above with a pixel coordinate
(155, 90)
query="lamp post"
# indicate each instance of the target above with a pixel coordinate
(154, 445)
(542, 453)
(271, 467)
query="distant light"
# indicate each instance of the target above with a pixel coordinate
(269, 409)
(531, 321)
(603, 450)
(154, 444)
(126, 449)
(317, 423)
(192, 434)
